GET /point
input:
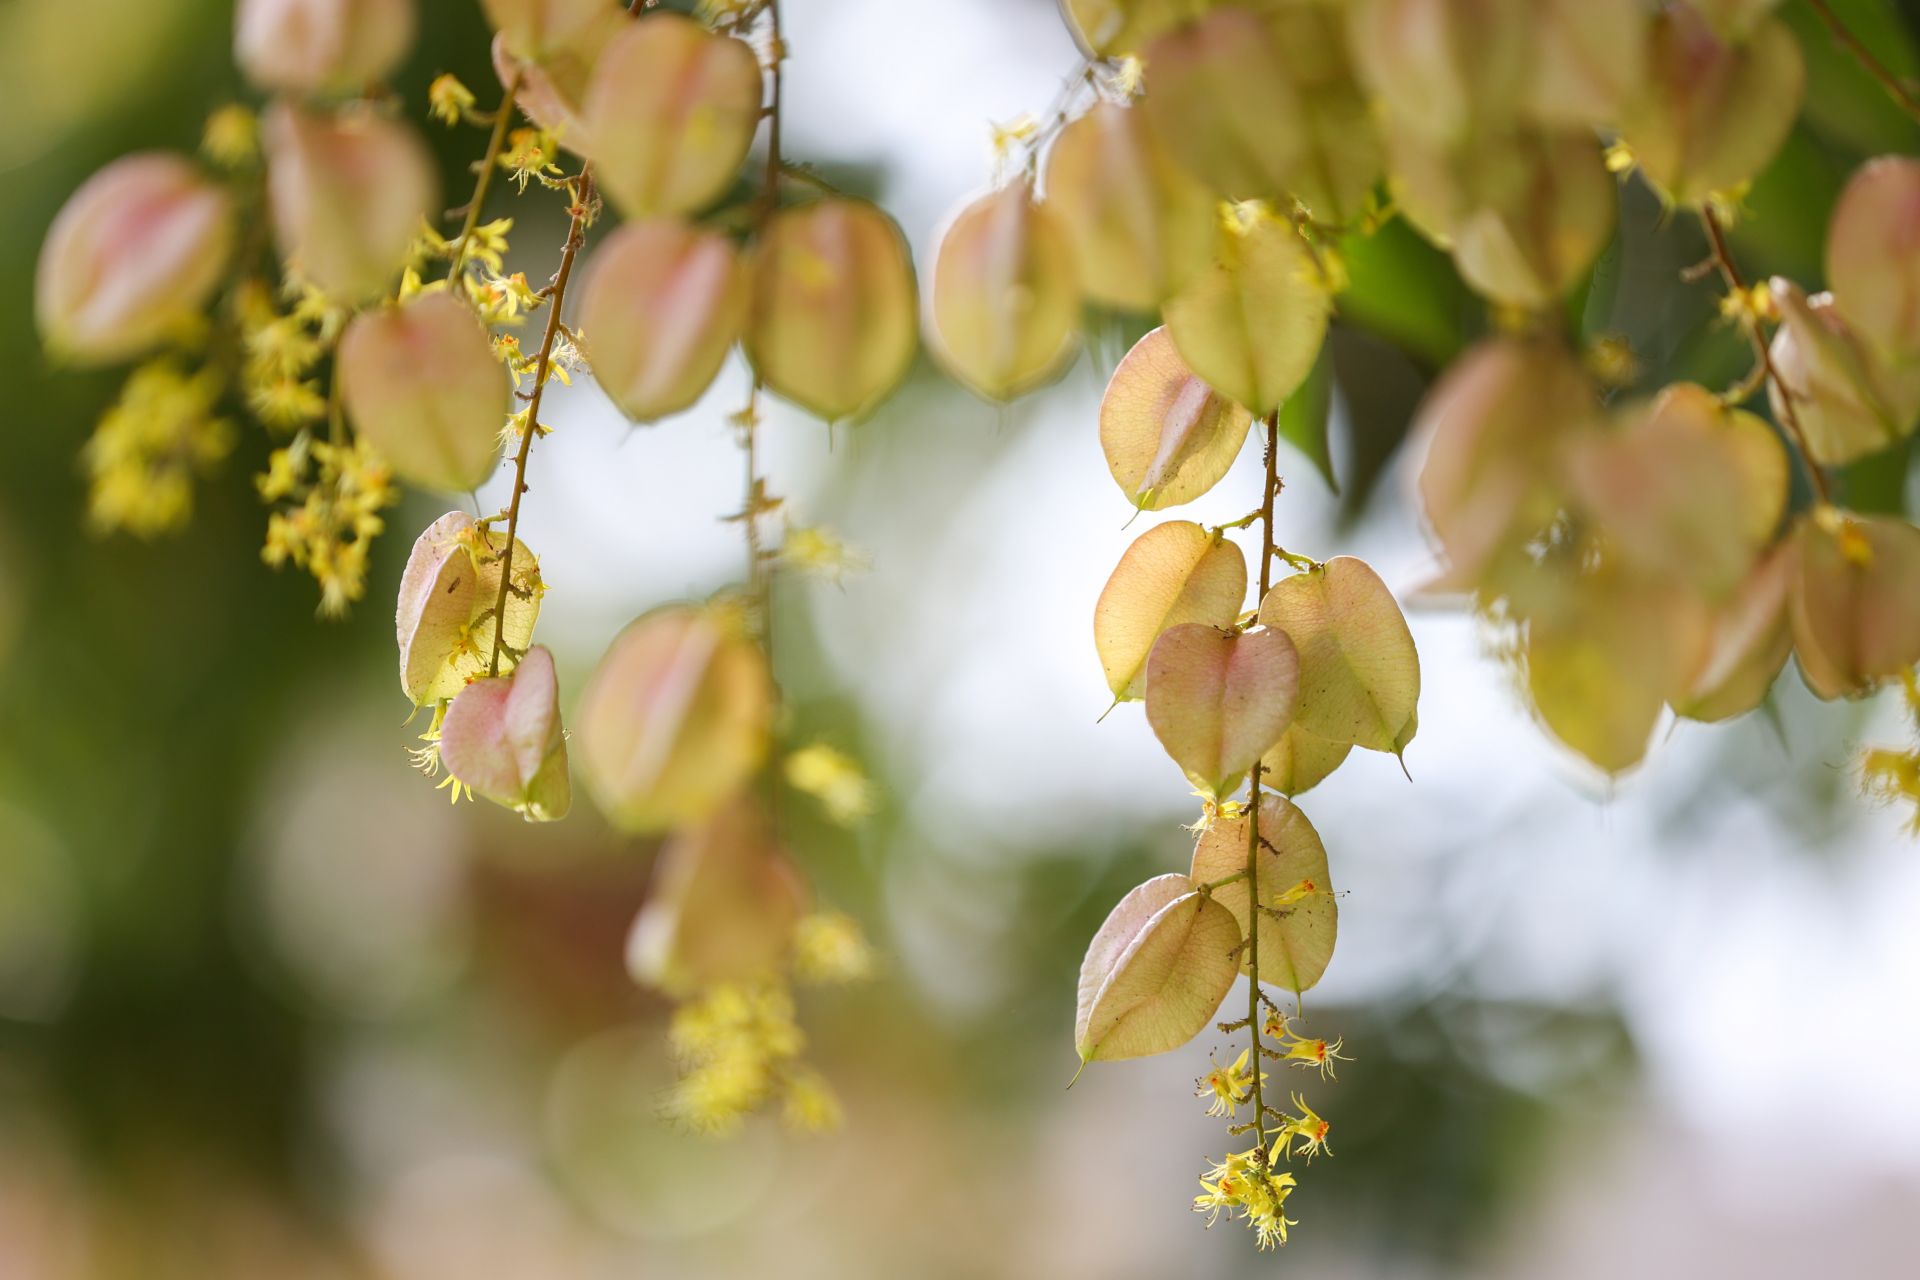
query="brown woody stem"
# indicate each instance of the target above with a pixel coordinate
(1896, 87)
(484, 182)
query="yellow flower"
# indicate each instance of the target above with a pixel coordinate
(1305, 889)
(1307, 1128)
(1229, 1086)
(828, 947)
(448, 100)
(834, 779)
(1241, 1184)
(231, 137)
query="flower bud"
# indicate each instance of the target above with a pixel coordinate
(502, 738)
(832, 326)
(670, 113)
(1245, 144)
(1712, 114)
(663, 304)
(535, 29)
(423, 386)
(133, 254)
(318, 46)
(447, 617)
(1855, 606)
(1444, 68)
(1139, 225)
(674, 720)
(348, 193)
(1873, 256)
(1004, 304)
(1847, 402)
(723, 907)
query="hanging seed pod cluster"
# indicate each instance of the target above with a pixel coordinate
(1215, 170)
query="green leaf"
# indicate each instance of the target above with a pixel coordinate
(1307, 416)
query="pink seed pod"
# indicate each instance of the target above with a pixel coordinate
(133, 254)
(536, 29)
(1846, 398)
(445, 619)
(502, 737)
(1855, 606)
(832, 326)
(723, 907)
(1873, 256)
(349, 192)
(1712, 113)
(663, 304)
(674, 720)
(321, 46)
(422, 386)
(1004, 303)
(670, 113)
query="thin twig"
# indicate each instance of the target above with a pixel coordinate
(1896, 88)
(1254, 839)
(495, 144)
(1730, 274)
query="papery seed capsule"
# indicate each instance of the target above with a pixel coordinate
(503, 738)
(1219, 700)
(663, 304)
(553, 88)
(447, 618)
(1748, 641)
(674, 720)
(1295, 944)
(1444, 68)
(1140, 225)
(349, 192)
(1712, 114)
(1245, 143)
(316, 46)
(832, 325)
(1530, 237)
(1847, 401)
(1341, 154)
(1004, 304)
(1589, 60)
(723, 906)
(131, 257)
(535, 29)
(1168, 436)
(1873, 255)
(1155, 972)
(669, 114)
(1855, 606)
(422, 385)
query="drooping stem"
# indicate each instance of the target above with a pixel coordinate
(1270, 491)
(484, 182)
(1896, 88)
(582, 213)
(1762, 353)
(759, 581)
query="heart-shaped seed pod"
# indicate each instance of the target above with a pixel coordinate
(1155, 973)
(1296, 942)
(1174, 573)
(1446, 69)
(321, 46)
(1246, 144)
(1848, 401)
(1218, 700)
(1168, 436)
(1873, 256)
(502, 737)
(1359, 672)
(536, 29)
(1855, 606)
(448, 617)
(1004, 302)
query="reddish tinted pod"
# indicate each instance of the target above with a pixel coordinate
(1218, 700)
(1245, 143)
(723, 906)
(553, 87)
(1155, 972)
(1846, 399)
(1713, 113)
(1359, 671)
(320, 46)
(1748, 642)
(349, 192)
(1168, 436)
(1445, 69)
(669, 114)
(1734, 19)
(832, 325)
(1140, 226)
(1873, 256)
(131, 258)
(537, 29)
(422, 386)
(664, 302)
(1856, 601)
(447, 619)
(1004, 304)
(674, 720)
(502, 738)
(1174, 573)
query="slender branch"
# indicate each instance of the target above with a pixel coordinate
(759, 581)
(1253, 812)
(1896, 88)
(484, 182)
(1730, 274)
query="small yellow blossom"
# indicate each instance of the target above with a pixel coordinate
(829, 948)
(529, 156)
(1297, 893)
(811, 1106)
(821, 552)
(835, 780)
(1306, 1129)
(144, 453)
(1229, 1086)
(448, 100)
(1242, 1185)
(231, 137)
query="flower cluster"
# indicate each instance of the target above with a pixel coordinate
(1892, 775)
(144, 455)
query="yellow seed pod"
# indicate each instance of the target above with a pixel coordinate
(1005, 303)
(1589, 60)
(663, 304)
(1855, 606)
(1245, 144)
(1139, 225)
(1301, 761)
(1167, 435)
(349, 192)
(1155, 972)
(669, 114)
(1445, 69)
(1873, 256)
(1359, 672)
(1712, 114)
(832, 326)
(674, 720)
(447, 616)
(1848, 399)
(422, 386)
(1251, 325)
(1174, 573)
(1341, 155)
(535, 29)
(1297, 943)
(1748, 641)
(554, 86)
